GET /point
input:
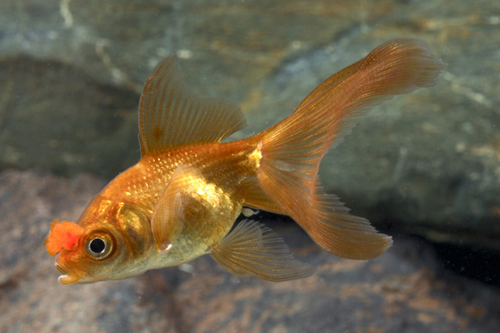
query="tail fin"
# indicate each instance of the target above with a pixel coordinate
(293, 148)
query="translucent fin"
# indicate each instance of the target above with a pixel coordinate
(171, 115)
(253, 249)
(328, 222)
(169, 214)
(328, 113)
(293, 148)
(255, 197)
(328, 83)
(347, 235)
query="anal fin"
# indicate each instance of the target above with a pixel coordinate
(253, 249)
(255, 197)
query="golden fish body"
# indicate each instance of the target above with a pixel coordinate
(126, 206)
(180, 201)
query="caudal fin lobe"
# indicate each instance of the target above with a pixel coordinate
(293, 148)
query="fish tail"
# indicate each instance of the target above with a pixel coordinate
(291, 150)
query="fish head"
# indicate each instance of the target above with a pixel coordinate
(84, 255)
(110, 246)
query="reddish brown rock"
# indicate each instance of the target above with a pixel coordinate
(405, 290)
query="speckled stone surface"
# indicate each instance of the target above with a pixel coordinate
(405, 290)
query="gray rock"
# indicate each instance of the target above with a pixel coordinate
(404, 290)
(425, 164)
(89, 127)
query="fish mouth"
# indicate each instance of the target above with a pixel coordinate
(66, 278)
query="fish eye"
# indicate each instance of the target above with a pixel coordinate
(99, 247)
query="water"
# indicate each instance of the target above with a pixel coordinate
(423, 167)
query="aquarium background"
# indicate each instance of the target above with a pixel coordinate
(424, 168)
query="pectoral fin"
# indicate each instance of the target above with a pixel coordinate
(253, 249)
(169, 214)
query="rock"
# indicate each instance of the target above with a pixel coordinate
(404, 290)
(88, 127)
(424, 164)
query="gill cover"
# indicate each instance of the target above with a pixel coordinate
(62, 235)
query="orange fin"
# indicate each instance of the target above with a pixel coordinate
(332, 81)
(253, 195)
(253, 249)
(62, 235)
(345, 235)
(293, 148)
(171, 115)
(169, 214)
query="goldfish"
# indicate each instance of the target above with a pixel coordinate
(181, 200)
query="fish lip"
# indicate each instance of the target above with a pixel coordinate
(65, 277)
(61, 269)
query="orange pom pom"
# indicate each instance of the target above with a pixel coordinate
(62, 235)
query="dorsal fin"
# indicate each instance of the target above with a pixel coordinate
(171, 115)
